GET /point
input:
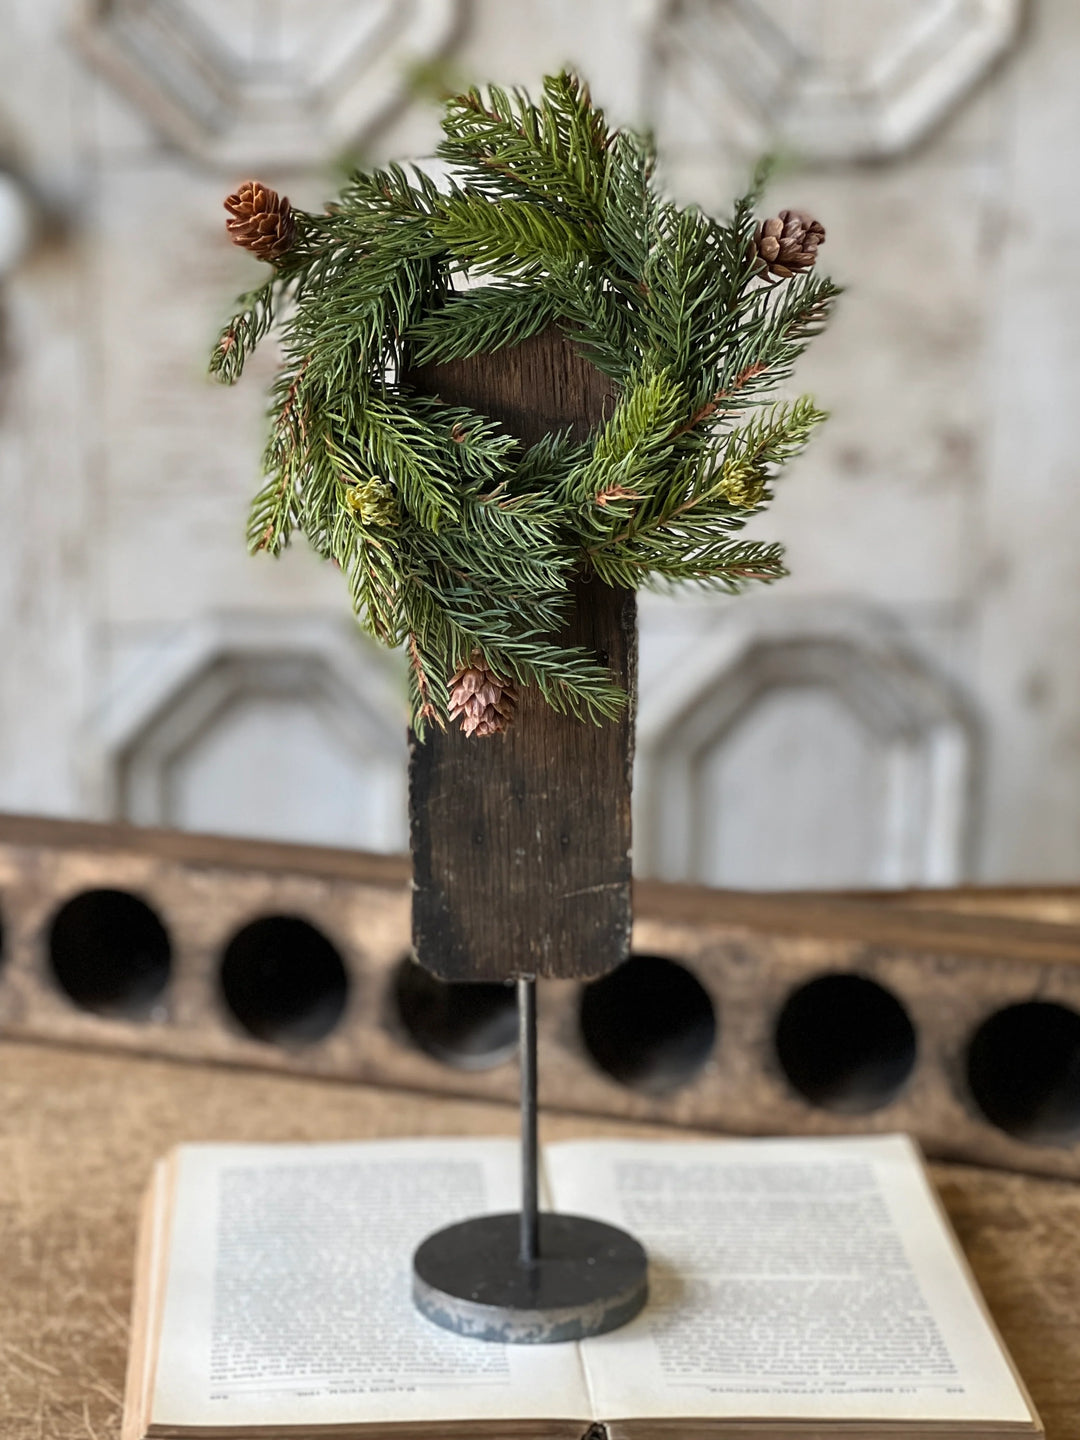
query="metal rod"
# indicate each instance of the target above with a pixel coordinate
(530, 1204)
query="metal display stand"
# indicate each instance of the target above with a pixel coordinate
(521, 870)
(529, 1277)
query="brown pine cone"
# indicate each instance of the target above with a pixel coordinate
(786, 244)
(260, 220)
(484, 703)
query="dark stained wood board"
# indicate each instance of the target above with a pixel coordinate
(521, 843)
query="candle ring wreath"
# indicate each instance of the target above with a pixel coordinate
(458, 541)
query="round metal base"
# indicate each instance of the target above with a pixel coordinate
(589, 1278)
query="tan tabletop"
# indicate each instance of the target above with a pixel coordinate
(78, 1132)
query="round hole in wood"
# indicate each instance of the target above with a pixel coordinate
(284, 981)
(650, 1024)
(845, 1043)
(110, 953)
(470, 1025)
(1023, 1069)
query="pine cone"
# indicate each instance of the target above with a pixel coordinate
(260, 220)
(485, 703)
(787, 244)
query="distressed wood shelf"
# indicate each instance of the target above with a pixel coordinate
(738, 1012)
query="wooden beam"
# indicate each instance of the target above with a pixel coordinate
(521, 842)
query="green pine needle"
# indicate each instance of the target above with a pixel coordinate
(451, 535)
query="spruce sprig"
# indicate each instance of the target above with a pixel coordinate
(452, 535)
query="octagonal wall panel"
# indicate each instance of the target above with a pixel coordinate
(293, 734)
(819, 818)
(265, 84)
(868, 756)
(836, 81)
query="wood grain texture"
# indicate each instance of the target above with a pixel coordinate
(79, 1132)
(745, 954)
(521, 842)
(534, 388)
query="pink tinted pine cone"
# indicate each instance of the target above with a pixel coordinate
(483, 702)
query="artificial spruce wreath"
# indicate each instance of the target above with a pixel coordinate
(457, 540)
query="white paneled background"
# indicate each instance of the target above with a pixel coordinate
(905, 709)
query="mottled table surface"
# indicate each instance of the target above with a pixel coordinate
(78, 1132)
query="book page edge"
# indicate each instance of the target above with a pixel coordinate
(973, 1283)
(145, 1286)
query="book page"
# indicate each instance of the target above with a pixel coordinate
(788, 1278)
(288, 1298)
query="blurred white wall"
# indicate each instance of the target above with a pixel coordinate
(904, 709)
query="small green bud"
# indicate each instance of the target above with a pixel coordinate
(373, 500)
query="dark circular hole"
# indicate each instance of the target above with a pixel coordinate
(110, 953)
(650, 1024)
(284, 981)
(470, 1025)
(845, 1043)
(1023, 1068)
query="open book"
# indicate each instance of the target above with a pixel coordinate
(798, 1288)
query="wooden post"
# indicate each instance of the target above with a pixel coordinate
(521, 843)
